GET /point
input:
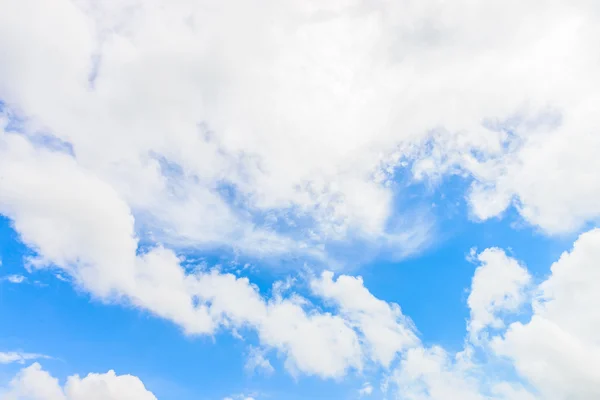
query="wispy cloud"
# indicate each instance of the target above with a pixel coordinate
(19, 357)
(366, 389)
(15, 278)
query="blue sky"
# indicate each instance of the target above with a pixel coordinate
(432, 288)
(299, 200)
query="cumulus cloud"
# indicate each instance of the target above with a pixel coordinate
(555, 352)
(558, 349)
(223, 142)
(80, 224)
(279, 131)
(385, 329)
(498, 286)
(34, 383)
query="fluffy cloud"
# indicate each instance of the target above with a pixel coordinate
(558, 349)
(80, 224)
(555, 353)
(498, 286)
(278, 131)
(205, 135)
(541, 162)
(430, 374)
(385, 329)
(257, 360)
(435, 374)
(33, 383)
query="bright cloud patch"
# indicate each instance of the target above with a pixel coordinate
(33, 383)
(278, 131)
(558, 350)
(498, 285)
(555, 352)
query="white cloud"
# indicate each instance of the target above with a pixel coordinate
(258, 361)
(558, 349)
(15, 278)
(33, 383)
(431, 374)
(555, 353)
(18, 357)
(366, 389)
(266, 163)
(385, 329)
(312, 342)
(81, 225)
(239, 397)
(306, 122)
(97, 246)
(542, 163)
(498, 286)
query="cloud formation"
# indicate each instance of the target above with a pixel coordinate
(554, 353)
(80, 224)
(132, 129)
(558, 349)
(281, 131)
(499, 285)
(14, 278)
(34, 383)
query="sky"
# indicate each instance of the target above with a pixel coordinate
(299, 200)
